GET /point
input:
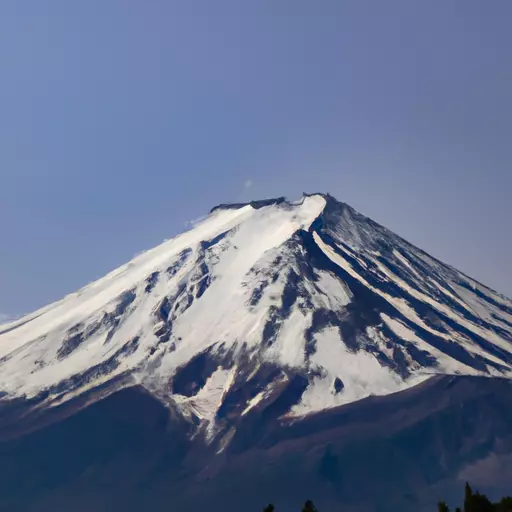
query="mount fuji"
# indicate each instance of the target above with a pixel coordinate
(275, 346)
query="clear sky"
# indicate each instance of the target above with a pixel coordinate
(122, 119)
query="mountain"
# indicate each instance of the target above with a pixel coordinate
(275, 346)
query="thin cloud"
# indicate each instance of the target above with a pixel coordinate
(248, 184)
(193, 222)
(4, 318)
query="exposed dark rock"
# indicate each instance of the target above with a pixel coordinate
(173, 269)
(246, 386)
(202, 279)
(191, 377)
(257, 293)
(476, 290)
(151, 282)
(70, 344)
(92, 373)
(338, 385)
(255, 204)
(124, 301)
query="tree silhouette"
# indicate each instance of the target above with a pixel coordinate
(473, 502)
(309, 507)
(442, 507)
(468, 494)
(505, 505)
(476, 502)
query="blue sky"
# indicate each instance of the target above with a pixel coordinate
(122, 119)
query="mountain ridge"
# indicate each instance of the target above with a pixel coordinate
(306, 298)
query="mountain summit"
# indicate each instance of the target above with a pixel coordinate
(257, 295)
(275, 346)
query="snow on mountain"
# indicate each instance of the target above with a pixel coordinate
(257, 296)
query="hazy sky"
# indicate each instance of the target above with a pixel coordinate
(120, 120)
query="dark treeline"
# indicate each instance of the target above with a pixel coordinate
(308, 507)
(473, 502)
(476, 502)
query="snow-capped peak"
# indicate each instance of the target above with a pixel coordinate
(257, 295)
